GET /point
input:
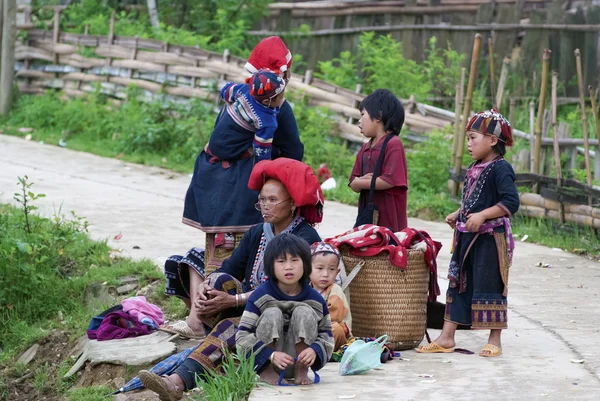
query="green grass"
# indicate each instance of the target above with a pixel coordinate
(235, 384)
(94, 393)
(570, 238)
(48, 270)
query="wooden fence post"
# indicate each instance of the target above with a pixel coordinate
(458, 103)
(133, 55)
(502, 83)
(111, 37)
(56, 32)
(466, 111)
(308, 76)
(586, 146)
(7, 54)
(540, 113)
(492, 72)
(597, 130)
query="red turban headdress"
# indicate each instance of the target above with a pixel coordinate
(299, 180)
(270, 53)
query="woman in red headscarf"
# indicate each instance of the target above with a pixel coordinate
(291, 201)
(218, 200)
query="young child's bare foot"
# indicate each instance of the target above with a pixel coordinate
(269, 376)
(301, 375)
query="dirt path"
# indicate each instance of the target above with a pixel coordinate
(555, 312)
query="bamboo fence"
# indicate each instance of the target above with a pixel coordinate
(54, 59)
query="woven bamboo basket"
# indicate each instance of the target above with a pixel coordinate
(387, 300)
(219, 253)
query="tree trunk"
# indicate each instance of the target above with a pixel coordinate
(7, 55)
(153, 12)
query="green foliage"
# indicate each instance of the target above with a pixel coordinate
(95, 393)
(3, 389)
(25, 198)
(234, 384)
(428, 177)
(209, 24)
(385, 66)
(40, 378)
(570, 238)
(319, 133)
(46, 270)
(442, 68)
(340, 71)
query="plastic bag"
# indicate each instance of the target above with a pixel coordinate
(361, 357)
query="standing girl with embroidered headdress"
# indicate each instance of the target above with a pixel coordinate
(483, 242)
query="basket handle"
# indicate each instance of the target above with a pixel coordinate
(352, 274)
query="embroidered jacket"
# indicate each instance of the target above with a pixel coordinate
(252, 115)
(268, 295)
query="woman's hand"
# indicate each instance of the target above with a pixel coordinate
(203, 289)
(215, 301)
(281, 360)
(307, 357)
(474, 221)
(451, 219)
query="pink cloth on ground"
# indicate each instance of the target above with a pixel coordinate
(139, 308)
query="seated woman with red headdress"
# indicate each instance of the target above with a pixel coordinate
(290, 201)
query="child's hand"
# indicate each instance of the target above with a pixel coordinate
(474, 221)
(282, 360)
(451, 219)
(307, 357)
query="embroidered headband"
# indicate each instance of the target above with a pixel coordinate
(323, 247)
(491, 122)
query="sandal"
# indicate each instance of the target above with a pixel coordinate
(433, 348)
(181, 328)
(490, 351)
(155, 383)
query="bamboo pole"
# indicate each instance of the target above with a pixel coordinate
(586, 145)
(561, 211)
(7, 54)
(502, 82)
(596, 128)
(540, 113)
(531, 134)
(467, 109)
(492, 72)
(458, 103)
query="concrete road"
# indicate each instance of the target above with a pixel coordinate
(554, 312)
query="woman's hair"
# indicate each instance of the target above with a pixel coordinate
(287, 244)
(384, 105)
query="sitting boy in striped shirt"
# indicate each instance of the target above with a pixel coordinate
(286, 322)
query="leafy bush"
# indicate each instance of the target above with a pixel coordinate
(46, 270)
(340, 71)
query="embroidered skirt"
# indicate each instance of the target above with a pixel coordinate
(218, 199)
(484, 278)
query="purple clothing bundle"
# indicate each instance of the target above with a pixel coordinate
(118, 325)
(143, 311)
(137, 318)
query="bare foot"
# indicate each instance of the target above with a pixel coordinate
(301, 375)
(445, 341)
(196, 325)
(269, 376)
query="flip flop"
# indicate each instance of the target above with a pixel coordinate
(155, 383)
(433, 348)
(492, 349)
(181, 328)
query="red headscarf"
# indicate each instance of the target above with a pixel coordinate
(270, 53)
(299, 180)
